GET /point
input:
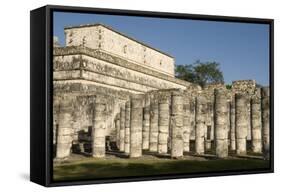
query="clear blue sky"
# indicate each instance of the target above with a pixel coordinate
(242, 49)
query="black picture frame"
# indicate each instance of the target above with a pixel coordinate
(41, 42)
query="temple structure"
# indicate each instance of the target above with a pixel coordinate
(115, 93)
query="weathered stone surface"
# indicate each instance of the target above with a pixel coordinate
(77, 116)
(83, 89)
(164, 114)
(117, 128)
(177, 124)
(70, 67)
(228, 122)
(256, 122)
(146, 123)
(265, 105)
(221, 123)
(232, 125)
(192, 118)
(56, 41)
(136, 126)
(209, 128)
(55, 127)
(99, 123)
(102, 37)
(186, 124)
(84, 70)
(122, 128)
(153, 135)
(83, 112)
(244, 86)
(56, 108)
(241, 123)
(127, 126)
(208, 92)
(102, 56)
(65, 128)
(200, 124)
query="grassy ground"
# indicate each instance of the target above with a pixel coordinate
(119, 167)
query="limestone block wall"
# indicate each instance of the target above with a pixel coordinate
(172, 134)
(64, 131)
(104, 38)
(55, 117)
(56, 41)
(83, 98)
(168, 133)
(244, 86)
(107, 74)
(208, 93)
(87, 36)
(247, 87)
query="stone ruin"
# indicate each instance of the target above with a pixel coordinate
(114, 93)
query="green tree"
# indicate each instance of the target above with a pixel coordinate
(201, 73)
(228, 86)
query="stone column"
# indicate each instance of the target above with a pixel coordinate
(192, 118)
(122, 129)
(136, 126)
(200, 114)
(146, 122)
(55, 119)
(256, 122)
(177, 124)
(54, 132)
(241, 123)
(99, 124)
(153, 136)
(164, 113)
(232, 125)
(65, 128)
(77, 117)
(265, 105)
(228, 122)
(186, 124)
(127, 126)
(117, 127)
(249, 131)
(221, 123)
(208, 122)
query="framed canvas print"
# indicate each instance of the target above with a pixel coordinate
(121, 95)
